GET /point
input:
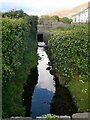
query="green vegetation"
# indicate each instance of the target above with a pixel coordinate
(49, 19)
(79, 90)
(69, 53)
(14, 14)
(65, 20)
(19, 57)
(44, 18)
(54, 18)
(50, 117)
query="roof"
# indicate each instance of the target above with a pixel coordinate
(81, 11)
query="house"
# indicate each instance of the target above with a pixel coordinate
(82, 16)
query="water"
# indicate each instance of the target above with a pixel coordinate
(45, 88)
(43, 93)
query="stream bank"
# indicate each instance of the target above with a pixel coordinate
(43, 94)
(68, 52)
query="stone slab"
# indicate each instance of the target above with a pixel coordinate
(58, 118)
(39, 118)
(81, 116)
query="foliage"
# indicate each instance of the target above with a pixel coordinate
(51, 117)
(80, 93)
(19, 57)
(69, 52)
(48, 19)
(33, 21)
(14, 14)
(65, 20)
(54, 18)
(44, 18)
(12, 35)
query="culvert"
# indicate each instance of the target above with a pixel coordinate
(40, 37)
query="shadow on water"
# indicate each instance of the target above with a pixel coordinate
(62, 102)
(28, 90)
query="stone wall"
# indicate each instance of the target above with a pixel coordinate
(77, 116)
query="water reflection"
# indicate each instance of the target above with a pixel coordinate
(41, 102)
(45, 79)
(45, 88)
(62, 103)
(28, 91)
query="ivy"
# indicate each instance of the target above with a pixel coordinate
(69, 51)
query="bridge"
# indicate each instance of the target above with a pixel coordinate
(42, 32)
(43, 29)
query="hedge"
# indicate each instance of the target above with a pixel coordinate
(69, 51)
(19, 53)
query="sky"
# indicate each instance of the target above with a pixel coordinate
(39, 7)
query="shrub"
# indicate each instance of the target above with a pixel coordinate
(65, 20)
(19, 57)
(69, 52)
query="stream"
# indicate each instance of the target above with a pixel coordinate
(43, 93)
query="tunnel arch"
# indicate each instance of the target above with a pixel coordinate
(40, 37)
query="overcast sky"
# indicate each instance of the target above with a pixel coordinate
(39, 7)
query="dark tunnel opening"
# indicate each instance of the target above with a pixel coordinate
(40, 37)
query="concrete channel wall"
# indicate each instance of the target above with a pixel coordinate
(45, 35)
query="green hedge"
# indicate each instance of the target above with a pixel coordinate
(13, 45)
(19, 57)
(69, 51)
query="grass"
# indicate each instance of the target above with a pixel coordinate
(80, 92)
(68, 29)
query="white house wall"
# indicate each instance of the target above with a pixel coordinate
(84, 16)
(81, 17)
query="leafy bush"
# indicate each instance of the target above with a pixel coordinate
(13, 45)
(54, 18)
(50, 117)
(14, 14)
(19, 57)
(65, 20)
(69, 52)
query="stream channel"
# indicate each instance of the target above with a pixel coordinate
(43, 93)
